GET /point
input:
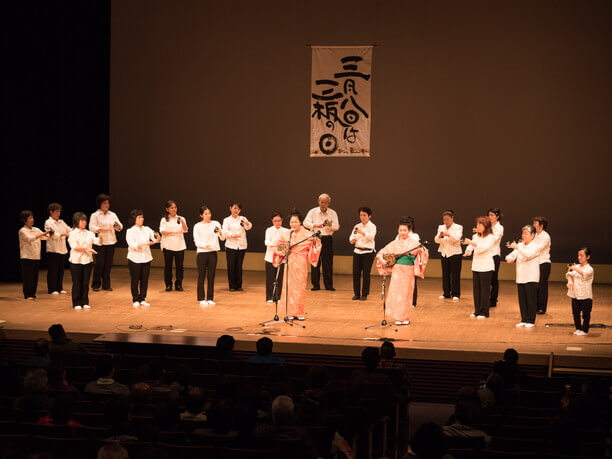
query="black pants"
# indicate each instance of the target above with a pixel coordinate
(234, 267)
(584, 306)
(543, 287)
(270, 276)
(80, 283)
(482, 289)
(362, 264)
(102, 268)
(495, 282)
(415, 294)
(139, 275)
(207, 266)
(528, 300)
(451, 276)
(55, 271)
(178, 256)
(29, 276)
(326, 260)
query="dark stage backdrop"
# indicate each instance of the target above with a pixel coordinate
(475, 104)
(55, 102)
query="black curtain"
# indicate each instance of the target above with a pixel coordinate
(56, 111)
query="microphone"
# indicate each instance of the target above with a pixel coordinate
(424, 243)
(317, 234)
(216, 230)
(355, 230)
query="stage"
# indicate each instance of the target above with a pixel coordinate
(335, 325)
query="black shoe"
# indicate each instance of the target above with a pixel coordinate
(331, 289)
(178, 288)
(232, 289)
(96, 289)
(540, 311)
(107, 289)
(240, 289)
(363, 297)
(355, 297)
(314, 289)
(168, 288)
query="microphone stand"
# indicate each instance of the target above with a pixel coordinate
(286, 319)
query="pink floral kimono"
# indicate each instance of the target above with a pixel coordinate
(401, 287)
(296, 271)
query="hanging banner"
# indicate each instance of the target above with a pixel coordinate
(340, 101)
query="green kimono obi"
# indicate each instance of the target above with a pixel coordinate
(407, 260)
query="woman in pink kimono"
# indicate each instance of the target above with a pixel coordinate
(409, 261)
(296, 275)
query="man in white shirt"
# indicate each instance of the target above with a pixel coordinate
(325, 220)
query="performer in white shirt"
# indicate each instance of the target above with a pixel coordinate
(29, 253)
(274, 234)
(323, 219)
(449, 236)
(526, 255)
(172, 228)
(542, 239)
(81, 259)
(234, 229)
(498, 231)
(104, 222)
(56, 249)
(206, 235)
(580, 290)
(482, 245)
(139, 239)
(362, 237)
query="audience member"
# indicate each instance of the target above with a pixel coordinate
(313, 407)
(460, 427)
(105, 384)
(35, 400)
(224, 348)
(508, 369)
(112, 451)
(61, 413)
(264, 352)
(194, 404)
(140, 397)
(40, 359)
(370, 374)
(428, 442)
(61, 346)
(116, 414)
(56, 380)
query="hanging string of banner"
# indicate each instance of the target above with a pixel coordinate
(340, 101)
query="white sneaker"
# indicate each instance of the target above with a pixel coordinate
(55, 293)
(398, 322)
(136, 304)
(290, 318)
(63, 292)
(144, 303)
(269, 301)
(455, 298)
(203, 303)
(580, 333)
(481, 317)
(301, 318)
(211, 302)
(472, 315)
(78, 308)
(30, 298)
(86, 306)
(520, 324)
(441, 297)
(529, 325)
(577, 332)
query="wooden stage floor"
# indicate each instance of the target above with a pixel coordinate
(439, 329)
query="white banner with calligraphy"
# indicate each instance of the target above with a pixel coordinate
(340, 101)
